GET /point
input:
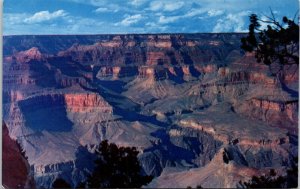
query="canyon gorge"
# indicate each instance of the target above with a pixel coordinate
(184, 100)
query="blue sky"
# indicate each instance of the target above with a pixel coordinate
(136, 16)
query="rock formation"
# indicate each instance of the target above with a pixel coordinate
(15, 168)
(181, 99)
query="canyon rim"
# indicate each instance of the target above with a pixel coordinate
(181, 99)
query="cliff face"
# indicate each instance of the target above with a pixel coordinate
(180, 99)
(25, 56)
(217, 174)
(274, 112)
(152, 50)
(86, 103)
(15, 167)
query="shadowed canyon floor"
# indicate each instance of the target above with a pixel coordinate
(181, 99)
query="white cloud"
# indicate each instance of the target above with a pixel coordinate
(108, 8)
(84, 25)
(155, 27)
(173, 6)
(129, 20)
(195, 12)
(165, 6)
(156, 5)
(159, 15)
(13, 18)
(102, 9)
(232, 23)
(90, 2)
(166, 20)
(137, 2)
(170, 19)
(45, 16)
(214, 12)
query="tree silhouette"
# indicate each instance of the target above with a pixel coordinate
(279, 43)
(226, 157)
(197, 187)
(271, 180)
(116, 167)
(265, 181)
(60, 183)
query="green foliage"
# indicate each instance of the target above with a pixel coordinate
(117, 167)
(278, 43)
(60, 183)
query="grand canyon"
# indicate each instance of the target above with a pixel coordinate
(184, 100)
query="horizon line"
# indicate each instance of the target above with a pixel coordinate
(5, 35)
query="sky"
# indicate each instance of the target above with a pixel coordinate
(137, 16)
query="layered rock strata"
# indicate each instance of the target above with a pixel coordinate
(181, 99)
